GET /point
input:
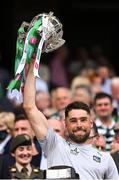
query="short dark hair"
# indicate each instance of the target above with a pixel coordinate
(21, 116)
(76, 105)
(102, 95)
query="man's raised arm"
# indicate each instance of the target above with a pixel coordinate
(36, 118)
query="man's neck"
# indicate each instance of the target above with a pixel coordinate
(72, 142)
(107, 121)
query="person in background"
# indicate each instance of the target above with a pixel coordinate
(58, 126)
(115, 146)
(15, 97)
(43, 102)
(21, 126)
(60, 97)
(6, 128)
(96, 139)
(21, 149)
(104, 120)
(115, 95)
(79, 81)
(82, 93)
(103, 71)
(95, 80)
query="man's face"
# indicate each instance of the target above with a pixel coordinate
(23, 127)
(103, 107)
(81, 95)
(42, 100)
(100, 143)
(62, 98)
(103, 72)
(57, 125)
(23, 154)
(78, 124)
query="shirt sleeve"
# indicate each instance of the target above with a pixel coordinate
(49, 142)
(111, 172)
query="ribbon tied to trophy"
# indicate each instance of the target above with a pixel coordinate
(43, 34)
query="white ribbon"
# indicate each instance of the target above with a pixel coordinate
(40, 46)
(39, 50)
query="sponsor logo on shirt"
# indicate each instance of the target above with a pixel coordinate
(96, 158)
(74, 151)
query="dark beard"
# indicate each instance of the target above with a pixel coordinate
(79, 139)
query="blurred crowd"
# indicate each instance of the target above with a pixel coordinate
(88, 77)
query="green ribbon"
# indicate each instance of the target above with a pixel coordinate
(24, 53)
